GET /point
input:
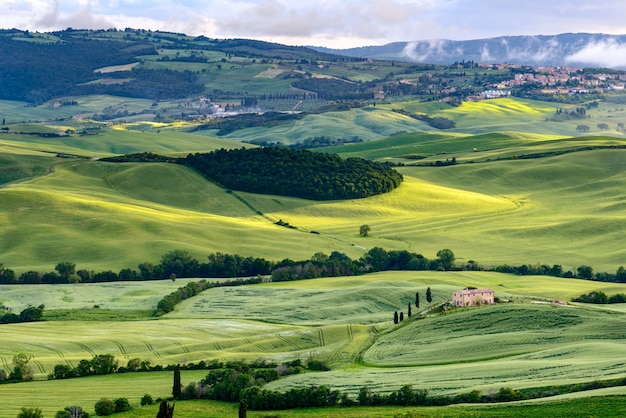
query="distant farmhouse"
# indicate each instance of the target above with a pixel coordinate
(473, 297)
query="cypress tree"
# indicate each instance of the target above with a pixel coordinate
(429, 295)
(401, 316)
(409, 312)
(165, 410)
(395, 317)
(243, 408)
(177, 388)
(417, 299)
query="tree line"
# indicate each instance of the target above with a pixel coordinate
(176, 263)
(181, 264)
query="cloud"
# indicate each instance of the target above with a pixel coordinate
(372, 21)
(605, 53)
(332, 23)
(82, 18)
(423, 50)
(535, 51)
(485, 56)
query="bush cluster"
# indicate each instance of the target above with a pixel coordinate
(230, 382)
(105, 406)
(599, 297)
(30, 314)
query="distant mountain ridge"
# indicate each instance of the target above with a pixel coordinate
(574, 49)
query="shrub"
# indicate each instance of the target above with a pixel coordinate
(105, 407)
(72, 412)
(122, 405)
(316, 365)
(30, 413)
(146, 400)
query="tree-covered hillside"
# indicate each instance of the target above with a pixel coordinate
(294, 173)
(35, 71)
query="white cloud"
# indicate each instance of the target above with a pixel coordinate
(485, 56)
(532, 53)
(334, 23)
(607, 53)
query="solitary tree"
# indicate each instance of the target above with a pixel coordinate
(417, 299)
(177, 388)
(409, 311)
(395, 317)
(21, 369)
(364, 230)
(429, 295)
(582, 128)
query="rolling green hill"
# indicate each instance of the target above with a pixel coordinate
(522, 189)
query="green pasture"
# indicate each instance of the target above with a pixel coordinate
(19, 112)
(601, 403)
(18, 164)
(367, 123)
(54, 395)
(121, 139)
(332, 319)
(501, 212)
(112, 216)
(163, 341)
(114, 296)
(433, 146)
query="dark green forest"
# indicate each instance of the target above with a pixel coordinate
(35, 72)
(295, 173)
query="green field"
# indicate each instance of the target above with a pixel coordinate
(494, 207)
(500, 206)
(344, 321)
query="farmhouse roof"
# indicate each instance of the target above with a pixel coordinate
(475, 291)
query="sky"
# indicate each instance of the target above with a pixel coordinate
(330, 23)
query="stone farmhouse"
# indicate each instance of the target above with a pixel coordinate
(473, 297)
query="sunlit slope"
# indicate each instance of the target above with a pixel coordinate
(366, 123)
(520, 115)
(109, 216)
(564, 210)
(570, 210)
(120, 141)
(432, 146)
